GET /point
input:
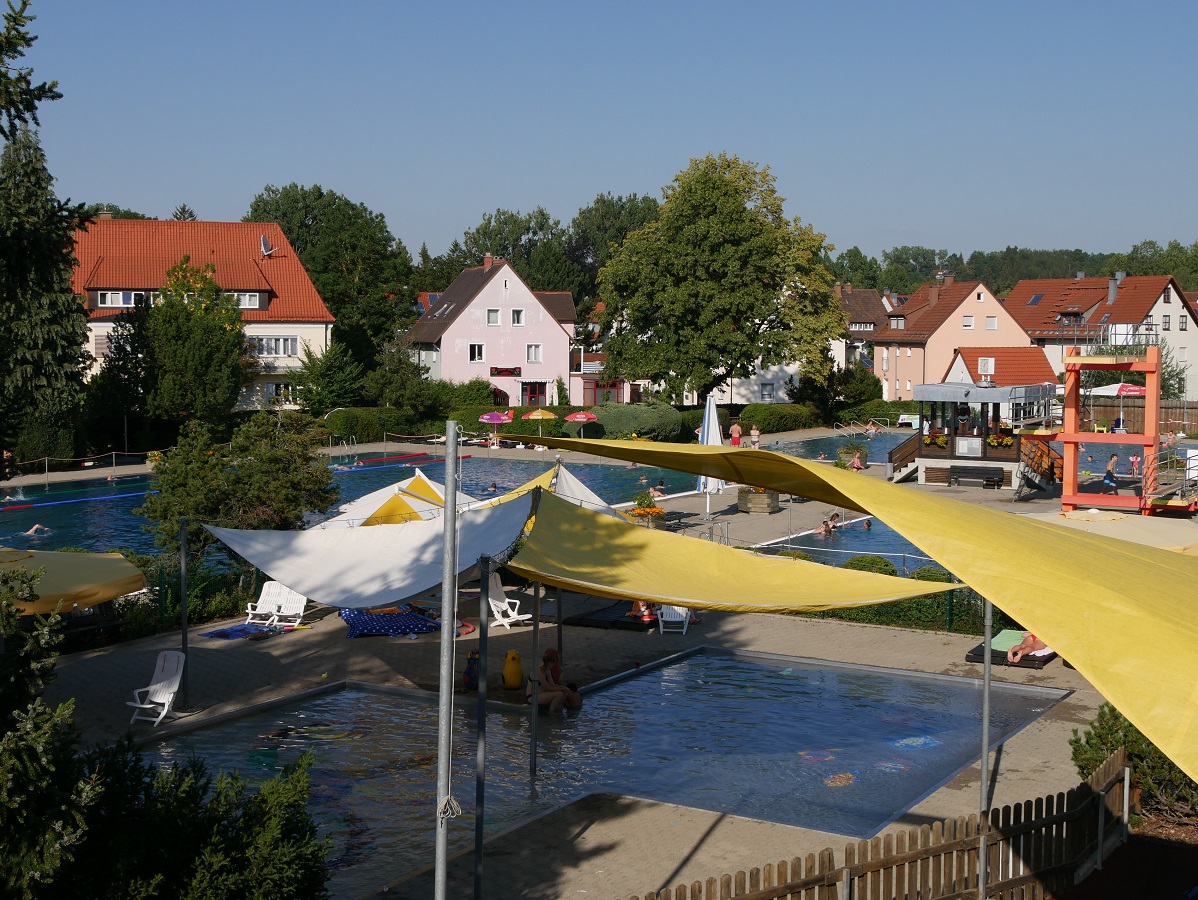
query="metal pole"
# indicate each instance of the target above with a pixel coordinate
(183, 692)
(449, 594)
(536, 703)
(480, 752)
(985, 805)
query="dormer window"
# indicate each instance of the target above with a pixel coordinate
(250, 300)
(108, 299)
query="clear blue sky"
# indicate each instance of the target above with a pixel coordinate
(957, 125)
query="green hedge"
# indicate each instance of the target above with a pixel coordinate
(365, 424)
(467, 419)
(877, 409)
(655, 421)
(772, 418)
(692, 419)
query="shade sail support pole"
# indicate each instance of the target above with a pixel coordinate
(449, 595)
(480, 750)
(984, 805)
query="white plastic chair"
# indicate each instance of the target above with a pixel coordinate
(156, 702)
(673, 618)
(277, 605)
(505, 609)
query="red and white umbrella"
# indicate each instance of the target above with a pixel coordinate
(582, 416)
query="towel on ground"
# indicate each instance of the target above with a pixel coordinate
(359, 621)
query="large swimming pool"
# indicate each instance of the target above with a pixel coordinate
(854, 539)
(834, 747)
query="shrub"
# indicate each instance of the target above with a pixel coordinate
(796, 554)
(772, 418)
(867, 563)
(1165, 789)
(366, 424)
(876, 410)
(692, 420)
(653, 420)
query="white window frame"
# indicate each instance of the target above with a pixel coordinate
(478, 353)
(273, 346)
(767, 392)
(517, 318)
(967, 323)
(908, 353)
(123, 299)
(532, 353)
(886, 361)
(246, 299)
(493, 317)
(992, 323)
(279, 391)
(985, 365)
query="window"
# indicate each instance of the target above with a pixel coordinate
(1165, 322)
(274, 346)
(278, 392)
(967, 323)
(1183, 354)
(885, 360)
(908, 353)
(1182, 322)
(1168, 294)
(532, 353)
(478, 353)
(992, 323)
(767, 393)
(493, 318)
(898, 322)
(246, 300)
(120, 298)
(986, 365)
(532, 393)
(908, 384)
(517, 318)
(1148, 319)
(979, 296)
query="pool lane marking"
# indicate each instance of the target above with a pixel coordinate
(77, 500)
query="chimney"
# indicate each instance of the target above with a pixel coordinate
(1081, 275)
(104, 214)
(848, 287)
(949, 278)
(1112, 289)
(488, 261)
(933, 294)
(836, 287)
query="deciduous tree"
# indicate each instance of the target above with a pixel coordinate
(722, 280)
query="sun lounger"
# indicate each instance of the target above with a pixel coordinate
(277, 605)
(1000, 644)
(156, 702)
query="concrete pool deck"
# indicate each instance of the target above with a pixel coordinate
(605, 845)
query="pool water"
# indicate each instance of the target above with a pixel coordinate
(838, 748)
(878, 446)
(854, 539)
(99, 515)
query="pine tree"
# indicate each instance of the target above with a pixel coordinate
(184, 213)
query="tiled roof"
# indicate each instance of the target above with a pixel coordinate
(923, 316)
(1039, 304)
(135, 254)
(864, 305)
(454, 300)
(1012, 365)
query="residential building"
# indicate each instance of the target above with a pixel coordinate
(488, 324)
(122, 260)
(1058, 313)
(999, 366)
(921, 335)
(867, 313)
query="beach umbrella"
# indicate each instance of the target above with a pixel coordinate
(539, 414)
(710, 435)
(495, 419)
(583, 416)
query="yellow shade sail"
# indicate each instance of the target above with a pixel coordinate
(76, 580)
(1122, 613)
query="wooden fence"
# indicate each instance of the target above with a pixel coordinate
(1032, 849)
(1176, 415)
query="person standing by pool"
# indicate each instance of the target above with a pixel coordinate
(1134, 459)
(1108, 480)
(755, 437)
(735, 431)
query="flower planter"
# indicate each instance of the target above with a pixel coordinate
(758, 504)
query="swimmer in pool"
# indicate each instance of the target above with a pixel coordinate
(36, 530)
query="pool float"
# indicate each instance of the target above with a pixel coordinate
(841, 779)
(513, 671)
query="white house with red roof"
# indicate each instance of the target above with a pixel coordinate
(922, 335)
(1000, 366)
(1058, 313)
(488, 324)
(120, 260)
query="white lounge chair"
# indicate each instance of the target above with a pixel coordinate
(505, 609)
(156, 702)
(673, 618)
(277, 605)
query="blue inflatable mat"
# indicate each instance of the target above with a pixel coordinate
(395, 624)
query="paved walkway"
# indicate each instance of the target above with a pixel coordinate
(604, 846)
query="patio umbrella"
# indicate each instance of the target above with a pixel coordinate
(710, 435)
(78, 580)
(583, 416)
(495, 419)
(539, 413)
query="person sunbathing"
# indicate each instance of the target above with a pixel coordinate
(1031, 646)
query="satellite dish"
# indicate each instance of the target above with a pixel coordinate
(267, 249)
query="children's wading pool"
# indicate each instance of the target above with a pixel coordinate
(833, 747)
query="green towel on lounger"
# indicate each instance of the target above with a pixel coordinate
(1005, 640)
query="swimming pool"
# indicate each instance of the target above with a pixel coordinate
(854, 539)
(857, 747)
(878, 446)
(98, 515)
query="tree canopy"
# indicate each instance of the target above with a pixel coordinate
(360, 270)
(327, 380)
(721, 280)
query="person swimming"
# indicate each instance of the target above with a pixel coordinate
(37, 529)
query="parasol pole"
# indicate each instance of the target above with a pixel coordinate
(449, 592)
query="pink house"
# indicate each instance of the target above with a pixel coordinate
(488, 324)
